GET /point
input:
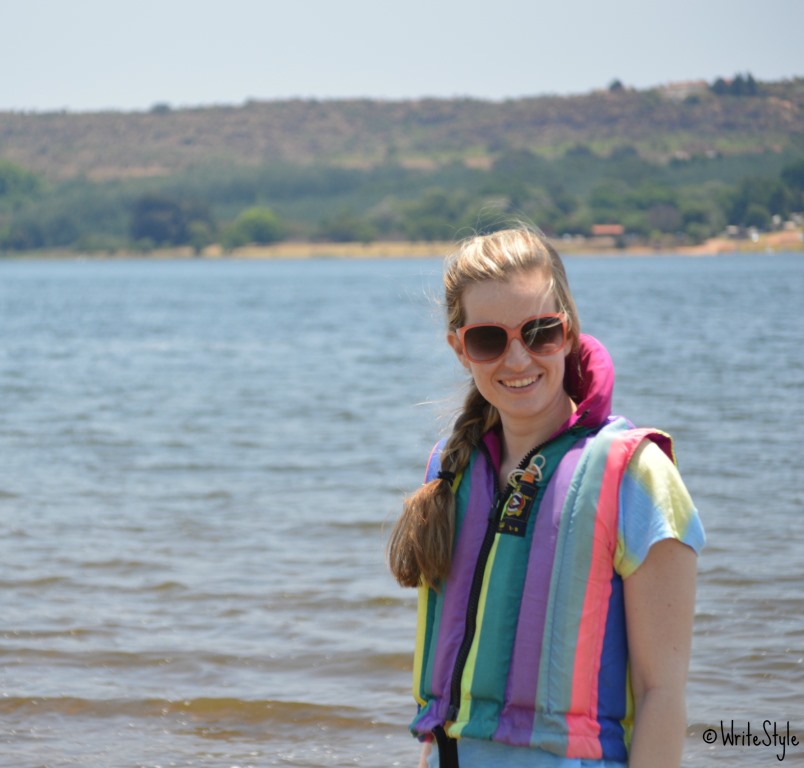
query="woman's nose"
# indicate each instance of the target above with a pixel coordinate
(517, 355)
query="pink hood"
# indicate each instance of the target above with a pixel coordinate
(589, 380)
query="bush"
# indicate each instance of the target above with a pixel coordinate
(162, 220)
(260, 226)
(16, 183)
(346, 227)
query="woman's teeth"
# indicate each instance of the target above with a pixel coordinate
(519, 383)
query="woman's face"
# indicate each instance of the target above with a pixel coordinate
(527, 390)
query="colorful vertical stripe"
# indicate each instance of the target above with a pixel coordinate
(547, 666)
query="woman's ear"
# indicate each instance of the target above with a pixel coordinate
(457, 348)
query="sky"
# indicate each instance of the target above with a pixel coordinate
(91, 55)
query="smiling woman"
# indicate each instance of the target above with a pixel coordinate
(524, 383)
(553, 545)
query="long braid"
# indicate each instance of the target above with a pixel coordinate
(420, 546)
(477, 417)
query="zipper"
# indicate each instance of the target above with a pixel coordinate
(495, 515)
(474, 603)
(470, 628)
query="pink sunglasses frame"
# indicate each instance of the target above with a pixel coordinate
(514, 333)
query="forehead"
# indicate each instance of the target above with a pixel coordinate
(508, 301)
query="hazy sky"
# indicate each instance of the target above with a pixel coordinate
(95, 54)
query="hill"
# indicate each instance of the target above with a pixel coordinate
(663, 167)
(658, 124)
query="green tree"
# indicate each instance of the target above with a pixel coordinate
(430, 227)
(28, 230)
(23, 235)
(699, 219)
(759, 194)
(436, 215)
(346, 227)
(744, 86)
(608, 201)
(16, 183)
(739, 85)
(758, 216)
(563, 201)
(579, 150)
(157, 219)
(257, 225)
(163, 220)
(719, 87)
(260, 225)
(201, 234)
(579, 222)
(664, 218)
(792, 177)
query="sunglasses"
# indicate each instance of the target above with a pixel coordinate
(541, 335)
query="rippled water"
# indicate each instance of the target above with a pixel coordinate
(200, 461)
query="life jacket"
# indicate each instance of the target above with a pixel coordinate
(525, 642)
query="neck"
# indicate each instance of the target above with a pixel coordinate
(519, 438)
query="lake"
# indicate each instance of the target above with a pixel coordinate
(200, 461)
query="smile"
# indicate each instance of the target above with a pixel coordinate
(520, 383)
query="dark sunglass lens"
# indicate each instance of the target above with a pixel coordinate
(544, 334)
(485, 342)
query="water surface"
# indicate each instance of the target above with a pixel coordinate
(200, 462)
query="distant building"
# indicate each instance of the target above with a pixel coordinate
(681, 91)
(608, 230)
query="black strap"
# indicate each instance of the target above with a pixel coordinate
(447, 749)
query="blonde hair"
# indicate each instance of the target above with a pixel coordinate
(420, 546)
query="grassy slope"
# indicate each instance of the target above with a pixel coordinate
(425, 133)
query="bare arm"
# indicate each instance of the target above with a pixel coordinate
(659, 608)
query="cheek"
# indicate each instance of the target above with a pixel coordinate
(483, 376)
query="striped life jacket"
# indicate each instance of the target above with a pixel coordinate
(525, 643)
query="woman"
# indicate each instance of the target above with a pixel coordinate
(553, 545)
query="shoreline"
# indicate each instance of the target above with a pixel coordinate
(602, 247)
